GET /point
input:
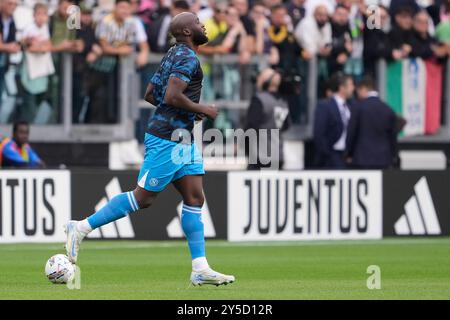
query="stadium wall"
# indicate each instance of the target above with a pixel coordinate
(240, 206)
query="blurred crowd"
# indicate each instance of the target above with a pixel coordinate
(345, 35)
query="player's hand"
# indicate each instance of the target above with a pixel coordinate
(211, 111)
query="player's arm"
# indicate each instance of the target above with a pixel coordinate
(175, 97)
(149, 94)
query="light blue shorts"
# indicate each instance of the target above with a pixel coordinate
(166, 161)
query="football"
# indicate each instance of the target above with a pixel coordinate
(59, 269)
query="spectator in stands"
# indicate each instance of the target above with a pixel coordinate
(63, 41)
(263, 44)
(341, 43)
(376, 41)
(226, 32)
(345, 3)
(423, 45)
(38, 64)
(314, 34)
(158, 35)
(310, 5)
(243, 9)
(357, 9)
(330, 124)
(8, 42)
(236, 36)
(296, 10)
(140, 37)
(267, 111)
(401, 35)
(204, 9)
(398, 5)
(63, 38)
(216, 29)
(271, 3)
(372, 131)
(116, 34)
(87, 52)
(289, 64)
(157, 28)
(440, 13)
(16, 152)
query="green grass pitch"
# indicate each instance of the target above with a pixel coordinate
(410, 269)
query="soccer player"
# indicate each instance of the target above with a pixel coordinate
(175, 90)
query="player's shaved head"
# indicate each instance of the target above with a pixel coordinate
(186, 26)
(181, 21)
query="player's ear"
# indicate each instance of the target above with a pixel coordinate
(187, 32)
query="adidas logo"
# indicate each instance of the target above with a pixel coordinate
(121, 228)
(420, 216)
(174, 229)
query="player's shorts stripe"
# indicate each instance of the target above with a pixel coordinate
(131, 201)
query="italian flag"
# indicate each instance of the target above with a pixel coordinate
(414, 91)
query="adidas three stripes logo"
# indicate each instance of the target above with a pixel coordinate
(420, 216)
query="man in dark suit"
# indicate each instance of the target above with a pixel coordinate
(372, 131)
(330, 124)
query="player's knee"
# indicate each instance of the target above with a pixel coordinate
(194, 200)
(144, 201)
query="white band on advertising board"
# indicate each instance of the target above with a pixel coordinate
(34, 205)
(304, 205)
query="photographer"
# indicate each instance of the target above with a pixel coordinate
(267, 111)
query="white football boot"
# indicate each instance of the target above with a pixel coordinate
(209, 276)
(74, 238)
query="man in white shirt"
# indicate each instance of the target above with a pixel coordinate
(313, 34)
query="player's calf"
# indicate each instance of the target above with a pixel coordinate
(119, 206)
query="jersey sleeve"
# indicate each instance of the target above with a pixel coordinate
(184, 67)
(34, 159)
(13, 156)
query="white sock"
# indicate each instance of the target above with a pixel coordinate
(84, 226)
(199, 264)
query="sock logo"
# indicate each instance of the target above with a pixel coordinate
(174, 229)
(420, 216)
(121, 228)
